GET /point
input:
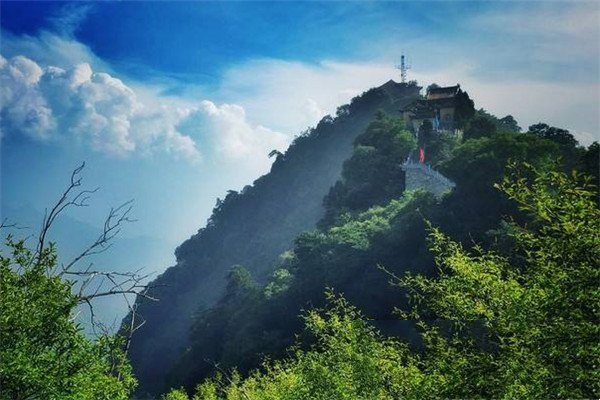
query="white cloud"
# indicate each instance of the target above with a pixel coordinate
(47, 48)
(94, 108)
(61, 95)
(22, 107)
(227, 129)
(98, 110)
(565, 32)
(579, 20)
(291, 96)
(69, 17)
(312, 111)
(282, 94)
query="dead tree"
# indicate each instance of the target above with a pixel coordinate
(91, 283)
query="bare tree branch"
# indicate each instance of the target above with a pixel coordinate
(67, 199)
(93, 284)
(112, 227)
(11, 225)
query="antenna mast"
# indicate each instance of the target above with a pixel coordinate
(403, 67)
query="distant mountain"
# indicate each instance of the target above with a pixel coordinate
(253, 227)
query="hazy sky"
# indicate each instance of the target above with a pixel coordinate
(174, 103)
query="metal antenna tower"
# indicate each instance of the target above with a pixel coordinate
(403, 67)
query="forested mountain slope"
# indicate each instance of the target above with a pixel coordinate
(252, 228)
(371, 221)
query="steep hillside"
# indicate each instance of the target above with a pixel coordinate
(252, 228)
(370, 221)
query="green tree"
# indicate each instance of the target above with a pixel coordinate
(560, 136)
(373, 174)
(508, 123)
(465, 109)
(499, 327)
(590, 162)
(347, 360)
(479, 126)
(43, 352)
(526, 325)
(432, 86)
(441, 149)
(426, 135)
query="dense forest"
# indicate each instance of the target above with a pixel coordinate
(327, 279)
(368, 229)
(252, 228)
(372, 230)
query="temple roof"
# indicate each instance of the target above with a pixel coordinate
(427, 108)
(420, 109)
(442, 102)
(448, 91)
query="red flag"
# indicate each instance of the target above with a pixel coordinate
(421, 155)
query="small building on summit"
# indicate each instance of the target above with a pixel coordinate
(439, 107)
(449, 92)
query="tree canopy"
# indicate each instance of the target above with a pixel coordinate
(44, 353)
(496, 326)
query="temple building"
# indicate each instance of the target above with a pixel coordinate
(439, 107)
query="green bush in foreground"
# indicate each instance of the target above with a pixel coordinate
(524, 326)
(43, 352)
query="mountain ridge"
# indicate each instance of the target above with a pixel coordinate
(284, 203)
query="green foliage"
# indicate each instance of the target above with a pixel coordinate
(540, 316)
(483, 121)
(560, 136)
(43, 353)
(236, 331)
(176, 394)
(475, 207)
(432, 86)
(508, 123)
(279, 283)
(425, 135)
(479, 126)
(465, 109)
(251, 227)
(240, 280)
(570, 150)
(348, 360)
(501, 328)
(441, 149)
(369, 221)
(344, 254)
(389, 136)
(589, 162)
(373, 175)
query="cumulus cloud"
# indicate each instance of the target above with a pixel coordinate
(56, 98)
(225, 128)
(48, 48)
(22, 107)
(95, 108)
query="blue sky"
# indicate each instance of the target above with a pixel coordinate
(172, 104)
